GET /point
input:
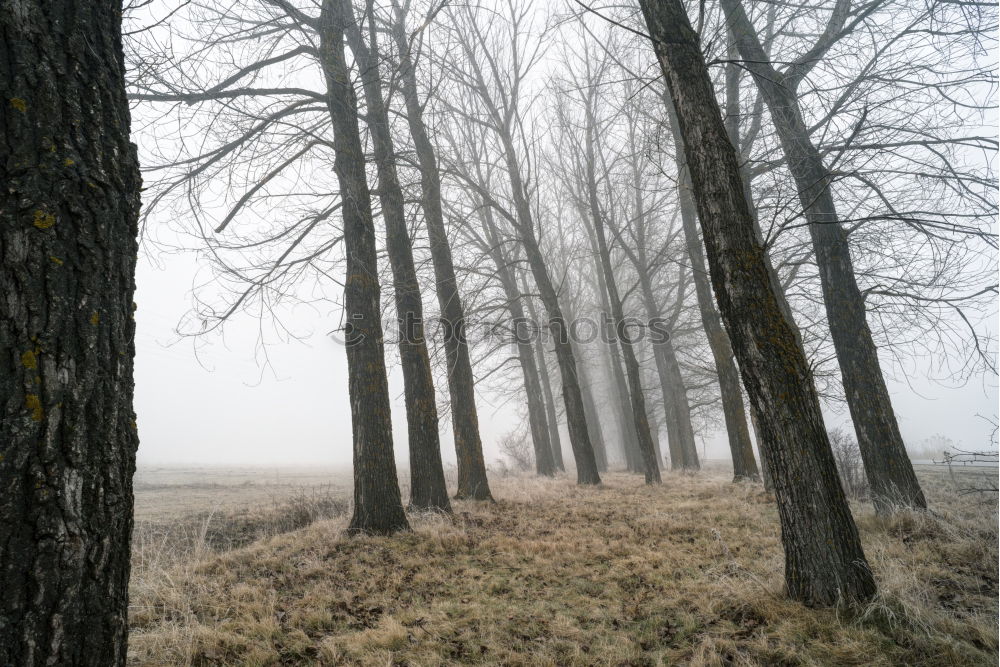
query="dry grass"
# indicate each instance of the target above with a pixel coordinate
(554, 574)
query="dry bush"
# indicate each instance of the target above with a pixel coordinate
(850, 467)
(516, 449)
(684, 573)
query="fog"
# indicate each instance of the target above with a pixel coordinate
(221, 401)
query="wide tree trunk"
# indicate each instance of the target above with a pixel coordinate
(538, 424)
(472, 481)
(427, 485)
(824, 560)
(889, 470)
(378, 508)
(68, 211)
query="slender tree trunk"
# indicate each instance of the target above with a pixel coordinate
(576, 420)
(680, 431)
(550, 405)
(472, 481)
(427, 484)
(546, 382)
(824, 560)
(637, 407)
(890, 472)
(545, 464)
(626, 426)
(68, 211)
(740, 444)
(378, 508)
(590, 408)
(677, 412)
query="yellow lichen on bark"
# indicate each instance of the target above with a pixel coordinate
(43, 219)
(33, 403)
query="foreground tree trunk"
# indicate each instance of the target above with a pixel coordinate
(427, 485)
(890, 472)
(824, 560)
(378, 508)
(68, 211)
(472, 481)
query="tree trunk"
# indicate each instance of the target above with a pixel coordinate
(378, 508)
(824, 560)
(545, 464)
(626, 426)
(677, 412)
(550, 405)
(589, 407)
(68, 212)
(472, 481)
(576, 420)
(427, 485)
(546, 382)
(890, 472)
(637, 407)
(740, 444)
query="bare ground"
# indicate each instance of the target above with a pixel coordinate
(552, 574)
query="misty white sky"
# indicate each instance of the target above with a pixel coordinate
(217, 407)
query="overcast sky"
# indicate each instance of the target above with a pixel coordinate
(222, 406)
(217, 406)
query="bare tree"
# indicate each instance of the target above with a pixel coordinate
(824, 560)
(889, 470)
(495, 92)
(472, 481)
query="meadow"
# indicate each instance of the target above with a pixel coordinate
(250, 566)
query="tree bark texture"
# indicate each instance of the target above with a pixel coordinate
(427, 485)
(68, 222)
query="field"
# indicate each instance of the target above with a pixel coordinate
(250, 567)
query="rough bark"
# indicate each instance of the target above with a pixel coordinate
(378, 508)
(68, 212)
(472, 480)
(824, 560)
(889, 470)
(427, 484)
